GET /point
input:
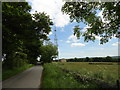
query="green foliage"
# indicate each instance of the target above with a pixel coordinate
(41, 24)
(86, 12)
(9, 73)
(15, 17)
(108, 58)
(23, 33)
(49, 52)
(75, 58)
(77, 31)
(87, 59)
(20, 59)
(109, 78)
(98, 75)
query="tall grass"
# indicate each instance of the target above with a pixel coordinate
(54, 77)
(9, 73)
(106, 73)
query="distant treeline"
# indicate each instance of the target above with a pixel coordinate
(94, 59)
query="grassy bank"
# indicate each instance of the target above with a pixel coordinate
(9, 73)
(54, 77)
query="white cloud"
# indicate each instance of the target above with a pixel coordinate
(73, 38)
(52, 8)
(50, 33)
(114, 37)
(68, 41)
(116, 44)
(98, 37)
(77, 44)
(61, 20)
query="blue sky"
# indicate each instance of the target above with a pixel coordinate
(69, 45)
(78, 48)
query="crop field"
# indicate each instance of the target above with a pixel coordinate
(103, 71)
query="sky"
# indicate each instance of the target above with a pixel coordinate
(69, 46)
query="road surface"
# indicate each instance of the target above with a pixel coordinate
(30, 78)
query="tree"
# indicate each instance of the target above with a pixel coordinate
(39, 30)
(23, 33)
(86, 12)
(87, 59)
(75, 59)
(14, 19)
(49, 52)
(108, 59)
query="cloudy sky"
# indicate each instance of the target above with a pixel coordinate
(69, 45)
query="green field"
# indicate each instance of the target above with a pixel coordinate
(54, 77)
(63, 75)
(106, 73)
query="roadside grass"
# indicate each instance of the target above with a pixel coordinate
(54, 77)
(9, 73)
(106, 73)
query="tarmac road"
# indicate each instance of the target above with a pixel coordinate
(30, 78)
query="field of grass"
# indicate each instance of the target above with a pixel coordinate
(54, 77)
(9, 73)
(106, 73)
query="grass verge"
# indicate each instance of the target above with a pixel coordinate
(54, 77)
(10, 73)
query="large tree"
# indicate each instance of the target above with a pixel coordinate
(40, 29)
(23, 33)
(49, 52)
(86, 12)
(14, 19)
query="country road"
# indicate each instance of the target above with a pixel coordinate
(30, 78)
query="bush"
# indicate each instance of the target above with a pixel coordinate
(8, 73)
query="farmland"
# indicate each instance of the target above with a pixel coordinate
(54, 77)
(55, 74)
(107, 73)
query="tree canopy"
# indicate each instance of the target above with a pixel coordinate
(23, 33)
(86, 12)
(49, 51)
